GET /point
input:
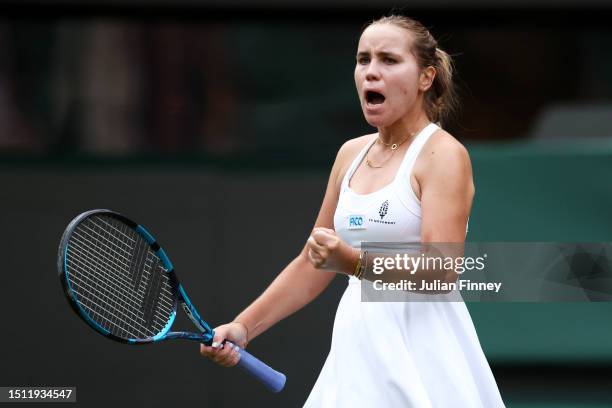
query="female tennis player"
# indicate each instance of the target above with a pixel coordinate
(409, 182)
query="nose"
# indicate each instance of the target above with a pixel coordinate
(372, 72)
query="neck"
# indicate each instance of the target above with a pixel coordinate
(406, 127)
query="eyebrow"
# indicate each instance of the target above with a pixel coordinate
(380, 53)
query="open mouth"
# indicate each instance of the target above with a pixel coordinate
(374, 98)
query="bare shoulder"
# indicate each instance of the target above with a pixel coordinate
(349, 150)
(351, 147)
(444, 163)
(443, 151)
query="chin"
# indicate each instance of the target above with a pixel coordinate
(376, 121)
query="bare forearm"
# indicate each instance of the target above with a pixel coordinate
(296, 286)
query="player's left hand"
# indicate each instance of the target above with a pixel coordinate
(326, 250)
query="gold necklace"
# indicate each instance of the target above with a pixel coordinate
(373, 165)
(393, 147)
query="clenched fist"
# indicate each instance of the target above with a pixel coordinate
(326, 250)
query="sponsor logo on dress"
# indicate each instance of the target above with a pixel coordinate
(382, 212)
(356, 222)
(384, 208)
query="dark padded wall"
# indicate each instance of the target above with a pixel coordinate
(229, 232)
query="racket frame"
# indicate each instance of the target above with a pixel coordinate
(273, 380)
(180, 296)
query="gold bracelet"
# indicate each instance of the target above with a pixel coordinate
(360, 267)
(357, 266)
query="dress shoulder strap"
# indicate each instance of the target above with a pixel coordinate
(356, 161)
(415, 148)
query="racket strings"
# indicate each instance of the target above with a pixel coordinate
(101, 298)
(118, 280)
(141, 299)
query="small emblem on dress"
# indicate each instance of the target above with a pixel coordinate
(356, 222)
(384, 208)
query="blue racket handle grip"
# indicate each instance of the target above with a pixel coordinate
(271, 378)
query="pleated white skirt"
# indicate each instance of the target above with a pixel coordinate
(403, 354)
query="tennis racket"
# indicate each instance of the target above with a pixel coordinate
(119, 280)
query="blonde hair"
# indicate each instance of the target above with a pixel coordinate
(440, 99)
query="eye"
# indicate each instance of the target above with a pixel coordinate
(389, 60)
(363, 60)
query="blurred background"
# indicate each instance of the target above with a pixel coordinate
(216, 123)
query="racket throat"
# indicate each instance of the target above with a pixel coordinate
(203, 327)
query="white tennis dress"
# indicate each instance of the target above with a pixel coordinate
(398, 354)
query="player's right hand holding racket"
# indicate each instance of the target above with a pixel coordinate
(222, 352)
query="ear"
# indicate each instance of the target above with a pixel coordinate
(426, 78)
